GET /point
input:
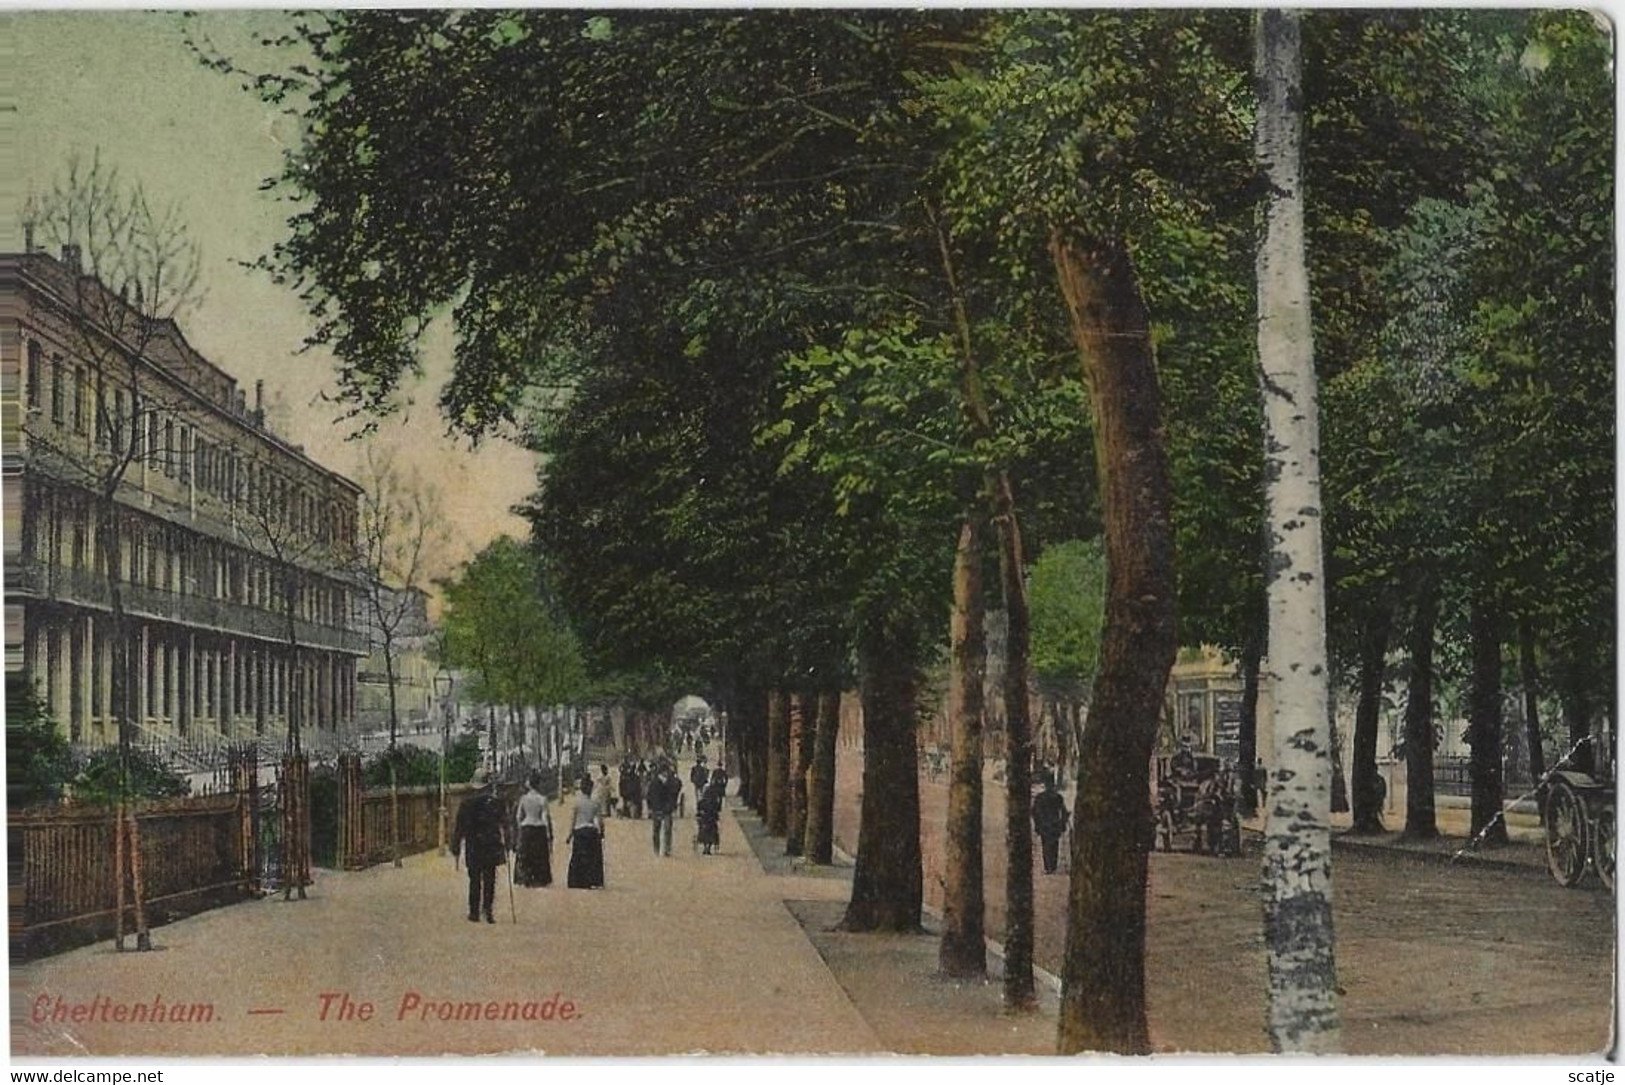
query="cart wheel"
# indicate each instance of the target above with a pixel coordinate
(1165, 831)
(1565, 835)
(1603, 844)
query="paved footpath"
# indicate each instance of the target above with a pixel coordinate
(682, 954)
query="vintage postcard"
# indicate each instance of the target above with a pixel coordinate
(809, 532)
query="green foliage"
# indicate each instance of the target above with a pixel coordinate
(501, 629)
(414, 767)
(97, 780)
(703, 260)
(1067, 595)
(38, 760)
(1103, 122)
(464, 759)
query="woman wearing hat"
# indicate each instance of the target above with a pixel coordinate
(586, 841)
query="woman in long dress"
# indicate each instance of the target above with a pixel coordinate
(586, 841)
(707, 815)
(534, 865)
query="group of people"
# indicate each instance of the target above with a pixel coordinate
(482, 838)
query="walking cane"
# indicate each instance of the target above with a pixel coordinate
(512, 913)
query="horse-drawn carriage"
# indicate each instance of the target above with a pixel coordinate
(1578, 812)
(1196, 798)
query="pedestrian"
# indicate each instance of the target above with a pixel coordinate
(606, 791)
(482, 827)
(664, 791)
(699, 776)
(533, 862)
(586, 841)
(631, 789)
(708, 813)
(1049, 822)
(644, 777)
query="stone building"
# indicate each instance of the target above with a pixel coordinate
(414, 670)
(239, 615)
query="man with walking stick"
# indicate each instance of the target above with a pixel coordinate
(481, 825)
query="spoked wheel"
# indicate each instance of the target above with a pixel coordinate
(1566, 835)
(1602, 846)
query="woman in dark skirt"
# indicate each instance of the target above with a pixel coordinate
(534, 865)
(586, 841)
(708, 812)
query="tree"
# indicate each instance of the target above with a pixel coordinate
(1297, 863)
(38, 759)
(963, 949)
(1099, 140)
(132, 269)
(500, 624)
(395, 543)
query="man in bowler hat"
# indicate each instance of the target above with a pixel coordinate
(482, 827)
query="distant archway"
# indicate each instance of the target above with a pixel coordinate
(695, 725)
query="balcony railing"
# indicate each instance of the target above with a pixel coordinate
(82, 587)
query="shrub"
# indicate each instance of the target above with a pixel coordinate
(465, 758)
(38, 760)
(414, 767)
(150, 777)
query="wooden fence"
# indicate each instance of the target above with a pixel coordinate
(364, 829)
(196, 853)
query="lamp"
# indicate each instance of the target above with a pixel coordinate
(443, 684)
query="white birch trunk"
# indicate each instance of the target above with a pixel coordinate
(1303, 1013)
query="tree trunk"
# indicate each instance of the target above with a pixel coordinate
(1340, 787)
(1529, 675)
(1420, 823)
(1247, 754)
(886, 884)
(738, 752)
(1298, 935)
(394, 728)
(778, 761)
(820, 844)
(758, 753)
(1576, 717)
(1018, 978)
(1367, 721)
(802, 713)
(1103, 975)
(1484, 725)
(122, 706)
(1019, 991)
(963, 949)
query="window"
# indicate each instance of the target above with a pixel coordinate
(118, 419)
(34, 375)
(169, 449)
(56, 390)
(81, 392)
(186, 454)
(100, 409)
(153, 447)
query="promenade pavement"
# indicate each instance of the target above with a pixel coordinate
(683, 954)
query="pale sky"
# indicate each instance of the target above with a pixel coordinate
(125, 82)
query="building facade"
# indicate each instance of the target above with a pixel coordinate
(414, 670)
(121, 444)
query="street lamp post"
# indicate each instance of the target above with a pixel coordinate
(442, 687)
